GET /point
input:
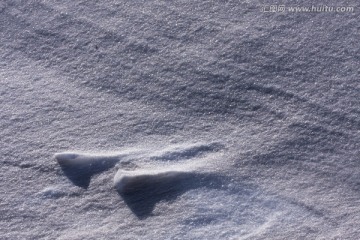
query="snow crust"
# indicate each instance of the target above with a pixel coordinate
(178, 120)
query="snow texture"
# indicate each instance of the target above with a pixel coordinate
(178, 120)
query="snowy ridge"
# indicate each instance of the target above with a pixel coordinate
(80, 167)
(181, 152)
(140, 188)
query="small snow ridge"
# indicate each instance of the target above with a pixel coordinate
(186, 151)
(133, 181)
(66, 157)
(80, 167)
(142, 189)
(53, 192)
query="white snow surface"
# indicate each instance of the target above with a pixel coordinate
(178, 120)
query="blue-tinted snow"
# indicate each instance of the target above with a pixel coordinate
(256, 113)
